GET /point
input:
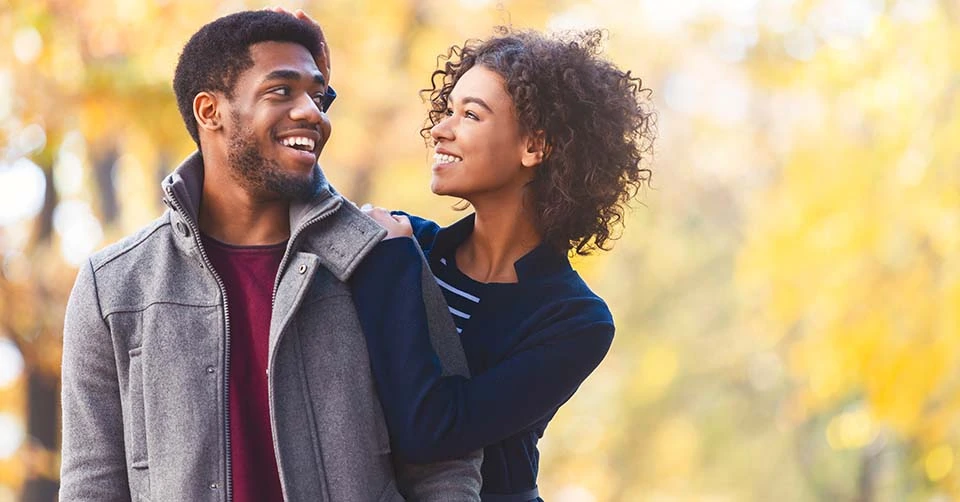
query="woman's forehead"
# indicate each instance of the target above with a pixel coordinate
(480, 82)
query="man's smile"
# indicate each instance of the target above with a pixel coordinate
(299, 143)
(305, 144)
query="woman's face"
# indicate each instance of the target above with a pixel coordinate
(479, 150)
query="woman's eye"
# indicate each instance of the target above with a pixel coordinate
(448, 112)
(471, 115)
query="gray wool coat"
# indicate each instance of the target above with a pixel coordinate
(146, 351)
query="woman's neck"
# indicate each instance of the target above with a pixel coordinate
(502, 234)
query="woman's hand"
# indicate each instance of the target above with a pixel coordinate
(396, 225)
(301, 15)
(322, 63)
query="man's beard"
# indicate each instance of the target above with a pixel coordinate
(265, 177)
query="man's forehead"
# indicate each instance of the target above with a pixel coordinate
(275, 54)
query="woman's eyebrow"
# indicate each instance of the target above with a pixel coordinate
(472, 99)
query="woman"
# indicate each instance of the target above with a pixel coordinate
(544, 139)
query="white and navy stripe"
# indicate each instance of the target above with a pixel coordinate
(459, 291)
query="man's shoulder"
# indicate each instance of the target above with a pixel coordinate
(140, 243)
(343, 240)
(149, 267)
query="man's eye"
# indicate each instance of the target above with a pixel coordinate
(283, 91)
(319, 99)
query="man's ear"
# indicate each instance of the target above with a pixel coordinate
(206, 111)
(536, 149)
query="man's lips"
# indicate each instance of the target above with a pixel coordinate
(301, 140)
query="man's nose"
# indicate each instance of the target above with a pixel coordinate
(306, 109)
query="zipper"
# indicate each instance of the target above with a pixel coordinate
(273, 299)
(228, 489)
(293, 239)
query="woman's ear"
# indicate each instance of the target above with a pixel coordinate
(206, 111)
(536, 149)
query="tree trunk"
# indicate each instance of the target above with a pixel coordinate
(43, 432)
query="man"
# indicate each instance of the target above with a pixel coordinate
(217, 353)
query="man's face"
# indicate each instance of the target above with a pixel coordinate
(276, 128)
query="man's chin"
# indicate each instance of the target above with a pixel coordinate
(275, 177)
(295, 188)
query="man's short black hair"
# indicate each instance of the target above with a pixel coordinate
(216, 55)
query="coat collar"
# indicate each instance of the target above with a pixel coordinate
(185, 187)
(542, 261)
(347, 237)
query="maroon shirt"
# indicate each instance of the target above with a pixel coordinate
(248, 273)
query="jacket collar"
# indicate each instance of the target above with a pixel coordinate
(184, 187)
(542, 261)
(348, 236)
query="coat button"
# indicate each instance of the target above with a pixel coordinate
(210, 369)
(182, 228)
(302, 269)
(214, 486)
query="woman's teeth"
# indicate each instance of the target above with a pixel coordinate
(442, 158)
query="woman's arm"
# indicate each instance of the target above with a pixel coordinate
(432, 417)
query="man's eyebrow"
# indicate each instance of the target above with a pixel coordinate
(471, 99)
(293, 75)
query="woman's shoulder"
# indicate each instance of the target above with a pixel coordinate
(566, 284)
(564, 296)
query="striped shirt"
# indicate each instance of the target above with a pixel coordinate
(460, 291)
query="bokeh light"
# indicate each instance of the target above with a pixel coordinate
(11, 434)
(27, 45)
(80, 231)
(11, 362)
(939, 462)
(22, 187)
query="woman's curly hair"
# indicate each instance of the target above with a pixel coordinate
(597, 120)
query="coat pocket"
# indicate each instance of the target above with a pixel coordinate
(136, 424)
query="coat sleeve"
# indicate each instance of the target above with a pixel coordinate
(432, 416)
(382, 304)
(93, 464)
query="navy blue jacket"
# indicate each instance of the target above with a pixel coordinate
(529, 346)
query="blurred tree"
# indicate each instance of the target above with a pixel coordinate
(851, 255)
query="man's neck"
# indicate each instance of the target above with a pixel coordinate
(229, 214)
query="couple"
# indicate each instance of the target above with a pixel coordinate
(266, 340)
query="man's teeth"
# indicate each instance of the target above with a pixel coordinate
(298, 141)
(442, 158)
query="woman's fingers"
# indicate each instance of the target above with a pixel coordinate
(396, 226)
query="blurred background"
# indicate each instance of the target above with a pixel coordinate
(787, 294)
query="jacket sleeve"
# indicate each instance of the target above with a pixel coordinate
(93, 465)
(382, 303)
(432, 416)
